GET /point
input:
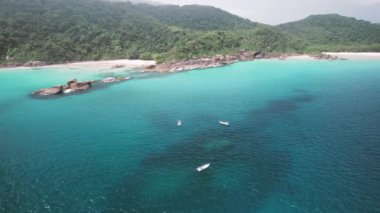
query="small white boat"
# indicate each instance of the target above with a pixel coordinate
(203, 167)
(225, 123)
(179, 123)
(127, 78)
(109, 80)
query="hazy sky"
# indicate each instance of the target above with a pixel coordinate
(281, 11)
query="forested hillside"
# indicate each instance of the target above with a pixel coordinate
(330, 32)
(65, 30)
(197, 17)
(74, 30)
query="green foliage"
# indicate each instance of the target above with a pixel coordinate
(197, 17)
(334, 30)
(75, 30)
(226, 42)
(67, 30)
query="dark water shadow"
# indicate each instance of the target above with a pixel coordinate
(290, 104)
(243, 146)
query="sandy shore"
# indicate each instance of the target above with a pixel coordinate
(300, 57)
(107, 64)
(355, 55)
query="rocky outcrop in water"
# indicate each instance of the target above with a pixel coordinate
(49, 91)
(74, 86)
(71, 87)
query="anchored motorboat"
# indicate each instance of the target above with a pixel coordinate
(203, 167)
(179, 123)
(225, 123)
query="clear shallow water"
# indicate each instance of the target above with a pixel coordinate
(304, 137)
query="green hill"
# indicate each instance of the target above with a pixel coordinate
(197, 17)
(330, 32)
(66, 30)
(75, 30)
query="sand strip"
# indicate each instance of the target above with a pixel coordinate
(356, 55)
(107, 64)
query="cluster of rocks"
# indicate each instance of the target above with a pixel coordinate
(326, 57)
(200, 63)
(74, 86)
(71, 87)
(221, 60)
(118, 66)
(177, 66)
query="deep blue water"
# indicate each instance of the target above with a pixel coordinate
(304, 137)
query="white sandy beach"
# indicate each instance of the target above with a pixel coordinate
(356, 55)
(343, 55)
(125, 63)
(300, 57)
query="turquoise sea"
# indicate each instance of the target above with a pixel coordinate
(304, 137)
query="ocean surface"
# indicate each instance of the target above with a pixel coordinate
(304, 137)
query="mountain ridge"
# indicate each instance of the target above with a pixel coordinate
(75, 30)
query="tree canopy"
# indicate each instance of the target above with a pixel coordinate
(75, 30)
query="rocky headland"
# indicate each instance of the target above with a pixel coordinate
(175, 66)
(222, 60)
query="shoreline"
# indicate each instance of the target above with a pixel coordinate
(356, 55)
(121, 63)
(112, 64)
(222, 60)
(184, 65)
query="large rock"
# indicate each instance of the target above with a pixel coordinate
(50, 91)
(150, 67)
(74, 85)
(71, 87)
(247, 55)
(258, 55)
